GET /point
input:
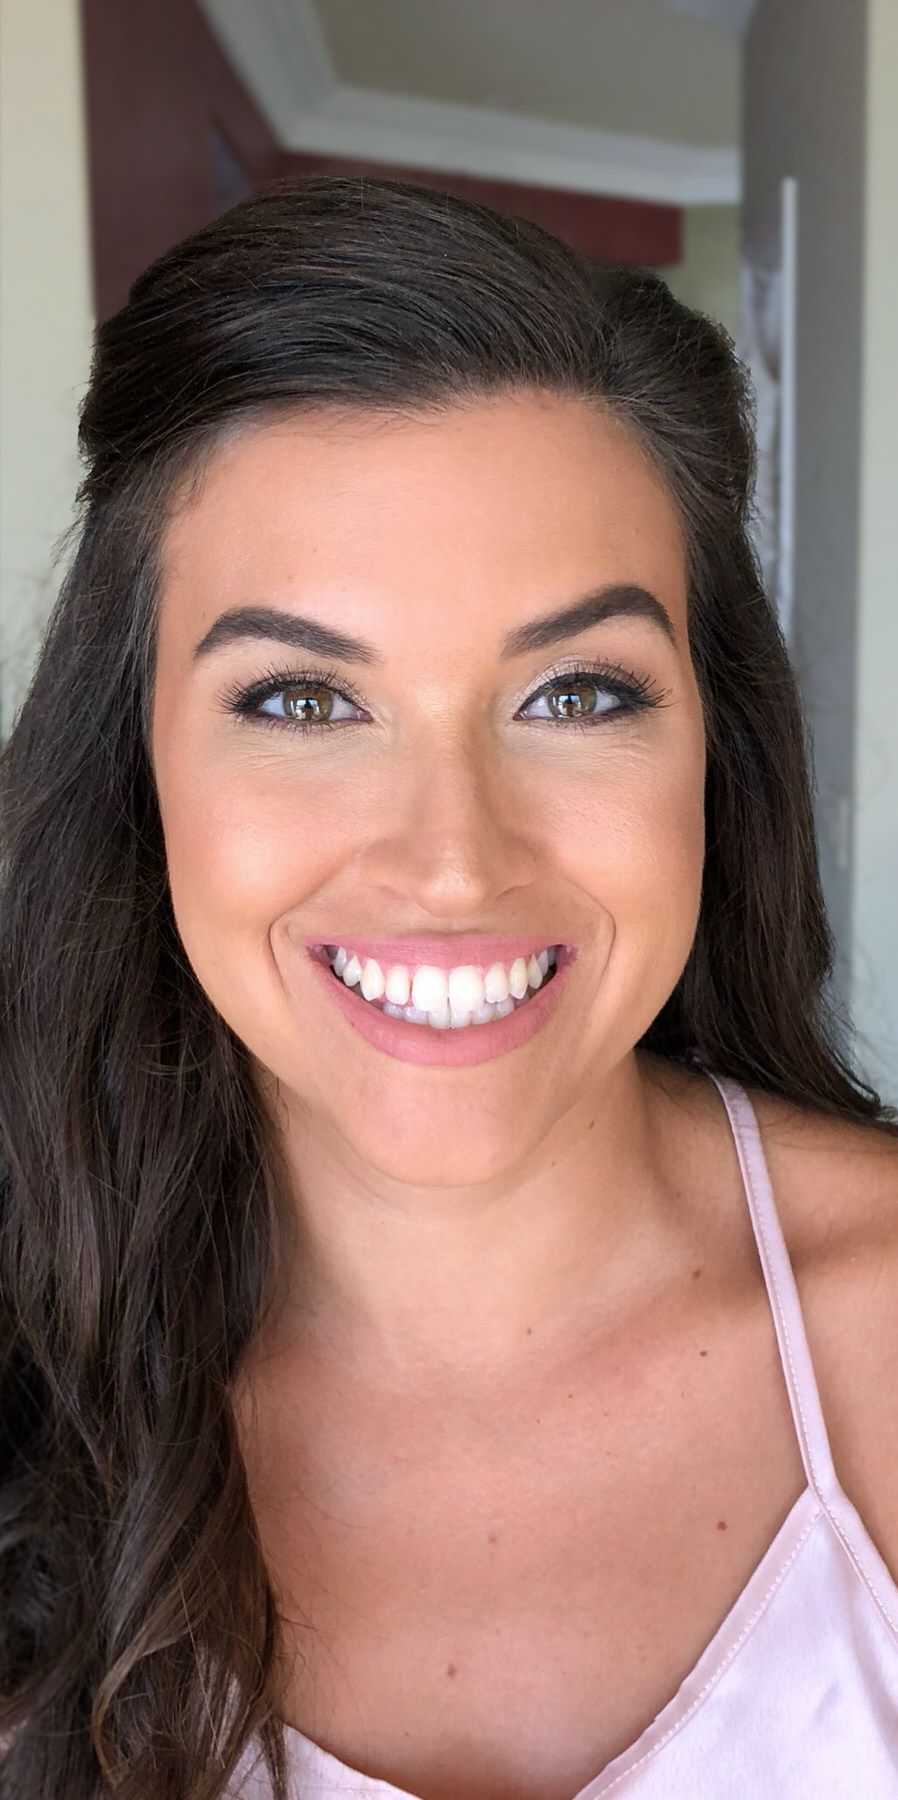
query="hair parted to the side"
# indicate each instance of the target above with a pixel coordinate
(141, 1221)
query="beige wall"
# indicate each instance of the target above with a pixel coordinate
(814, 106)
(46, 313)
(875, 863)
(708, 276)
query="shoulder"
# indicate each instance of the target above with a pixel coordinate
(835, 1181)
(835, 1187)
(836, 1190)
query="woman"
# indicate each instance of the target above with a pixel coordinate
(450, 1269)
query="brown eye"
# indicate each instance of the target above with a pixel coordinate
(309, 704)
(581, 698)
(568, 701)
(310, 700)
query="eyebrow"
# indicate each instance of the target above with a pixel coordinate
(621, 600)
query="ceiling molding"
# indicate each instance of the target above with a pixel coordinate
(473, 140)
(279, 49)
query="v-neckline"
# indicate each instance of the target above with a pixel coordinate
(693, 1690)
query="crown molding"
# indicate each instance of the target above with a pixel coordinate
(279, 48)
(473, 140)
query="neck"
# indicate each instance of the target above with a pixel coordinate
(428, 1285)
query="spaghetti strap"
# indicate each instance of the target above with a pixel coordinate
(782, 1292)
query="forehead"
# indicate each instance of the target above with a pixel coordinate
(479, 512)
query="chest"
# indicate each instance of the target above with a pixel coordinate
(494, 1609)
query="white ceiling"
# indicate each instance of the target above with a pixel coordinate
(638, 66)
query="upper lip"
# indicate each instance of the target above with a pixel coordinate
(440, 952)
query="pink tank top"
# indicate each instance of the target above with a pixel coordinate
(796, 1695)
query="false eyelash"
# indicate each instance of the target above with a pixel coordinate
(244, 700)
(637, 693)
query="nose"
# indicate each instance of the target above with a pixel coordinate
(456, 840)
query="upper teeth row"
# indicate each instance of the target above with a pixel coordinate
(461, 990)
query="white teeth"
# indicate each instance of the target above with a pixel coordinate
(444, 999)
(483, 1015)
(373, 983)
(430, 990)
(399, 986)
(495, 984)
(465, 989)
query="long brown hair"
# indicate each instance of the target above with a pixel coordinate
(140, 1213)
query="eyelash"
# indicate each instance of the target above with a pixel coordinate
(636, 693)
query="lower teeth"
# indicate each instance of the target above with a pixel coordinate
(445, 1021)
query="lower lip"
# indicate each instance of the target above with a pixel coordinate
(451, 1048)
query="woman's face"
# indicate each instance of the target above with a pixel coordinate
(448, 796)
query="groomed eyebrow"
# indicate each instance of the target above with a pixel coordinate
(310, 636)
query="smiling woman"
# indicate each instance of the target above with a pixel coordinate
(413, 979)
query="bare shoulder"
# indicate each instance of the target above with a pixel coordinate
(835, 1186)
(836, 1179)
(836, 1189)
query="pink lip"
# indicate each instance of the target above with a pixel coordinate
(439, 952)
(450, 1048)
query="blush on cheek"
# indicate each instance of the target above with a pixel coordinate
(654, 895)
(678, 888)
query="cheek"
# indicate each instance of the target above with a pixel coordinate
(618, 831)
(242, 846)
(632, 823)
(636, 829)
(636, 845)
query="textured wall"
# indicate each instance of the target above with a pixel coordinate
(45, 305)
(875, 870)
(803, 115)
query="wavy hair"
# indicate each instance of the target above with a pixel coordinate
(141, 1225)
